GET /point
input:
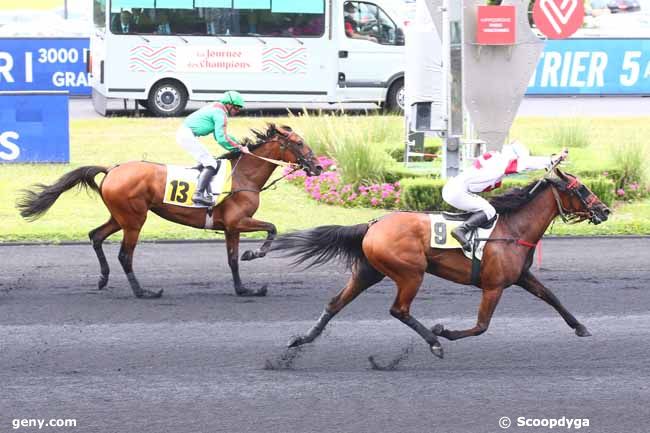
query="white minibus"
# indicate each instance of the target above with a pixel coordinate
(163, 53)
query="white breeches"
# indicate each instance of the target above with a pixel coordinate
(188, 141)
(457, 194)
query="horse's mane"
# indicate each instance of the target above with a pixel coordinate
(515, 198)
(261, 137)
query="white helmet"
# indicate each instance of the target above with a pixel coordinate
(515, 150)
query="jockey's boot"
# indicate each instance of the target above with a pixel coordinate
(460, 233)
(200, 195)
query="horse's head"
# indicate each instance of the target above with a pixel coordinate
(294, 150)
(575, 201)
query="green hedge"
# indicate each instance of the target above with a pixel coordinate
(423, 194)
(398, 172)
(397, 153)
(426, 194)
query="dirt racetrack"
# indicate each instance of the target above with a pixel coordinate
(194, 360)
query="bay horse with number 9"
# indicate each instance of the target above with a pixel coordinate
(132, 189)
(399, 246)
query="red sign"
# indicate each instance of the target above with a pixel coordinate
(495, 25)
(558, 19)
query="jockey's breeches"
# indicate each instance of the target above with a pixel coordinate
(190, 142)
(456, 193)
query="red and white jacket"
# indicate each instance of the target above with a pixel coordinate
(488, 170)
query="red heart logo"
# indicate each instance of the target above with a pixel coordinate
(558, 19)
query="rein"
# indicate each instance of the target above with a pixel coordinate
(293, 165)
(275, 161)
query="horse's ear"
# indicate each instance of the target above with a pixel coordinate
(559, 173)
(284, 130)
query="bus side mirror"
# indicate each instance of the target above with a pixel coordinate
(399, 36)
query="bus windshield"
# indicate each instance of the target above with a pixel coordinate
(277, 18)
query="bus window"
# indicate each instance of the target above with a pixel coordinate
(280, 18)
(368, 21)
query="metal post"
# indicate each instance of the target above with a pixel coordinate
(453, 47)
(65, 9)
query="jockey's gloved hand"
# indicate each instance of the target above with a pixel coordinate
(556, 159)
(243, 149)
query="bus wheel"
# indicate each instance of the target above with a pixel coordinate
(167, 98)
(395, 97)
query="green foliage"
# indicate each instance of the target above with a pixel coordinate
(356, 143)
(108, 141)
(630, 158)
(358, 161)
(397, 172)
(397, 153)
(426, 194)
(423, 194)
(572, 133)
(602, 187)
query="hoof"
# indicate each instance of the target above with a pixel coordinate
(436, 349)
(103, 281)
(148, 294)
(295, 341)
(438, 329)
(248, 255)
(581, 331)
(243, 291)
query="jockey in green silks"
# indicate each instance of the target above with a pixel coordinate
(211, 119)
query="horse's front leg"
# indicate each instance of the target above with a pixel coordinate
(253, 225)
(232, 247)
(489, 301)
(532, 285)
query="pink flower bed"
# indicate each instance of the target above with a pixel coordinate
(328, 188)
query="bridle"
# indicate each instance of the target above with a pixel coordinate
(288, 144)
(302, 160)
(586, 197)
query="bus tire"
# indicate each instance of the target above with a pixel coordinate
(167, 98)
(395, 97)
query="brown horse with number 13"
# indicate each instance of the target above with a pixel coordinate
(398, 246)
(131, 189)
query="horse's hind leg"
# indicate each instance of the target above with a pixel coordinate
(97, 237)
(363, 276)
(407, 288)
(489, 301)
(532, 285)
(126, 259)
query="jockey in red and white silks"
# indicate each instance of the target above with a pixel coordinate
(486, 174)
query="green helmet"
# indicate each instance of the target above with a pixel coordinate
(232, 97)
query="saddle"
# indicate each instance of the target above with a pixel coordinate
(181, 184)
(443, 223)
(462, 216)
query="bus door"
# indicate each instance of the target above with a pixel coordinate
(371, 50)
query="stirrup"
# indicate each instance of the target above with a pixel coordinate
(462, 240)
(202, 199)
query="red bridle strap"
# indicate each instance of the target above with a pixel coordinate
(573, 184)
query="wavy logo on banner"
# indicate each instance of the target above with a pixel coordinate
(282, 61)
(558, 19)
(143, 58)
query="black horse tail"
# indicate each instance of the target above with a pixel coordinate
(33, 204)
(322, 244)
